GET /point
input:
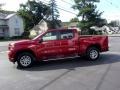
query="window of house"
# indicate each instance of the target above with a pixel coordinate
(17, 31)
(16, 20)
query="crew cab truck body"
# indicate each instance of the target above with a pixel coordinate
(57, 44)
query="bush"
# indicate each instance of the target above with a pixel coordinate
(25, 34)
(16, 37)
(1, 38)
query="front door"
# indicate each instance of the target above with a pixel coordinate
(49, 48)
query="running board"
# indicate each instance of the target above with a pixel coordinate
(61, 58)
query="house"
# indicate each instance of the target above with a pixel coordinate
(106, 29)
(71, 25)
(43, 26)
(115, 30)
(11, 25)
(39, 28)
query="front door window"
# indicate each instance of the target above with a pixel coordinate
(50, 36)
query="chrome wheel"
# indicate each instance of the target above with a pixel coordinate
(25, 61)
(93, 54)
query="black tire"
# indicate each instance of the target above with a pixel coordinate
(92, 53)
(25, 56)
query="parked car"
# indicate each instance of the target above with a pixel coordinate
(57, 44)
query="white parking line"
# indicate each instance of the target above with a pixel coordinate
(4, 52)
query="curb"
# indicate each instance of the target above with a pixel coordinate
(113, 36)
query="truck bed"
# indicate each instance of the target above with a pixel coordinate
(85, 41)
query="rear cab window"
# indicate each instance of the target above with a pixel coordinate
(66, 34)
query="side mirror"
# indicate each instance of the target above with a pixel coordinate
(41, 40)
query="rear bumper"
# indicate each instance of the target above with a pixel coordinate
(11, 56)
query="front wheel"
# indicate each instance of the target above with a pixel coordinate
(93, 53)
(25, 60)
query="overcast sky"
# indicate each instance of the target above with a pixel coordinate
(111, 8)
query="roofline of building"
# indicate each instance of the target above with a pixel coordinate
(10, 16)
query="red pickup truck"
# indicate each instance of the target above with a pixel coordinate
(57, 44)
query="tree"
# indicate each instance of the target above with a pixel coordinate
(54, 14)
(114, 23)
(1, 5)
(54, 10)
(74, 19)
(32, 12)
(90, 16)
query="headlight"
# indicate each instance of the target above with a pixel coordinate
(11, 46)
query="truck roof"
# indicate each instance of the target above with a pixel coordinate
(60, 29)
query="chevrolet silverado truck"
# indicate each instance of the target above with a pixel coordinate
(55, 45)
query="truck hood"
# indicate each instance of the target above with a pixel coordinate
(22, 42)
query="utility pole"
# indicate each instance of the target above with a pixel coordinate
(83, 16)
(54, 13)
(52, 5)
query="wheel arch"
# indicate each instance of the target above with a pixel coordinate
(95, 46)
(22, 51)
(98, 46)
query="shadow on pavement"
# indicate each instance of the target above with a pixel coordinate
(71, 64)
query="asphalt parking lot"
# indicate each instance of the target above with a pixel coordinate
(72, 74)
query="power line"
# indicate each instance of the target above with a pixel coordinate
(60, 8)
(66, 10)
(112, 4)
(66, 2)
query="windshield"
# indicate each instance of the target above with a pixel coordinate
(34, 38)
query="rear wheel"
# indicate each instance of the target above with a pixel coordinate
(25, 60)
(93, 53)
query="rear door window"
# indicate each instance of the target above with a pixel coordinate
(66, 34)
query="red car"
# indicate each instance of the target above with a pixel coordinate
(57, 44)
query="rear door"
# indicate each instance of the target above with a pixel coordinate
(68, 43)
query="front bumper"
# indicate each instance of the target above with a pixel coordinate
(11, 56)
